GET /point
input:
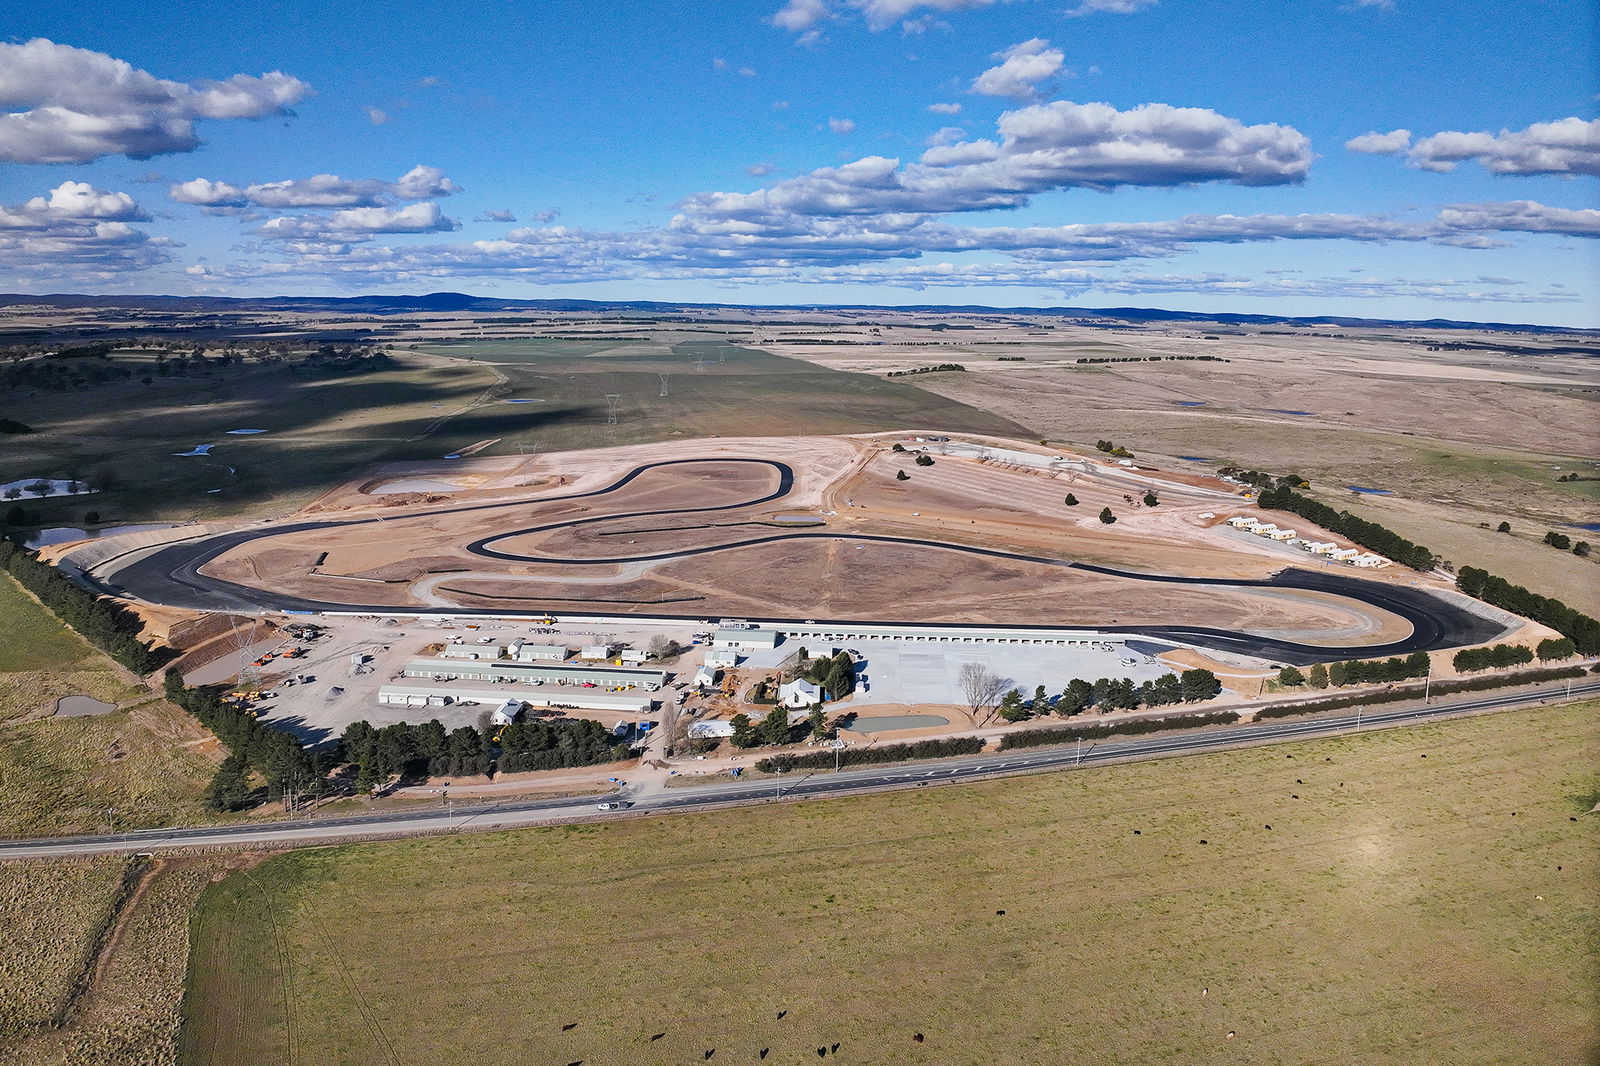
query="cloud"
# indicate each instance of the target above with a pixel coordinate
(760, 170)
(945, 135)
(1381, 5)
(549, 215)
(319, 191)
(1109, 7)
(499, 215)
(77, 231)
(1380, 143)
(1566, 146)
(945, 109)
(359, 223)
(1524, 216)
(806, 16)
(842, 125)
(376, 115)
(1022, 68)
(1061, 145)
(60, 104)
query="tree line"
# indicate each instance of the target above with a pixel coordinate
(1037, 738)
(1581, 629)
(253, 746)
(101, 621)
(1469, 660)
(1369, 535)
(428, 750)
(920, 749)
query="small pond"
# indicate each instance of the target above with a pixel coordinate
(888, 722)
(1370, 492)
(63, 534)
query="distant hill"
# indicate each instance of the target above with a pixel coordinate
(457, 301)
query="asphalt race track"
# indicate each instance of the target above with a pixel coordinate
(172, 576)
(799, 785)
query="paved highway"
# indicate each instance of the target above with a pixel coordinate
(535, 812)
(172, 576)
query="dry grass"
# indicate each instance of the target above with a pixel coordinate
(145, 764)
(1396, 911)
(130, 1015)
(49, 911)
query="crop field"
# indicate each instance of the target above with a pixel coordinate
(141, 765)
(1363, 899)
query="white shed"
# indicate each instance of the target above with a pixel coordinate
(697, 730)
(1343, 554)
(595, 651)
(723, 658)
(799, 693)
(506, 713)
(706, 676)
(745, 638)
(529, 653)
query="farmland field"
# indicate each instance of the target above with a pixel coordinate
(1363, 899)
(144, 764)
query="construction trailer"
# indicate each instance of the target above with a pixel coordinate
(439, 695)
(745, 638)
(505, 671)
(722, 658)
(529, 653)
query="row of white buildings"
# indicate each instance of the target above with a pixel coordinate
(1326, 548)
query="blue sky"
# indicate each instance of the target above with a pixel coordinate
(1364, 157)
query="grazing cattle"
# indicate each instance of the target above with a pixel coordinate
(781, 1013)
(569, 1027)
(764, 1052)
(918, 1038)
(1002, 913)
(658, 1036)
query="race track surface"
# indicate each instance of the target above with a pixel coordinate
(172, 576)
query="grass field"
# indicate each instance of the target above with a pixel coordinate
(1419, 896)
(65, 1005)
(141, 765)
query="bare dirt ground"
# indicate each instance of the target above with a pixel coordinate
(850, 484)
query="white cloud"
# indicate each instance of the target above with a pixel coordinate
(72, 105)
(376, 115)
(1566, 146)
(359, 223)
(77, 231)
(1110, 7)
(497, 215)
(1380, 143)
(945, 109)
(319, 191)
(1023, 66)
(759, 170)
(806, 16)
(842, 125)
(1524, 216)
(1381, 5)
(1060, 145)
(945, 135)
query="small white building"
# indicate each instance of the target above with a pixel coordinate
(506, 713)
(533, 653)
(1282, 534)
(595, 651)
(1264, 529)
(799, 693)
(722, 658)
(1320, 547)
(632, 656)
(1369, 560)
(705, 676)
(1241, 521)
(1344, 555)
(745, 638)
(713, 729)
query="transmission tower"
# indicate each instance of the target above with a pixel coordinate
(664, 375)
(613, 403)
(244, 637)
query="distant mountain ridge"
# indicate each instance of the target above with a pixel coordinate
(457, 301)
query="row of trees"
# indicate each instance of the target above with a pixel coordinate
(1038, 738)
(835, 675)
(101, 621)
(1564, 542)
(1469, 660)
(1356, 671)
(925, 370)
(1581, 629)
(1265, 481)
(984, 690)
(1369, 535)
(1112, 448)
(281, 760)
(921, 749)
(428, 750)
